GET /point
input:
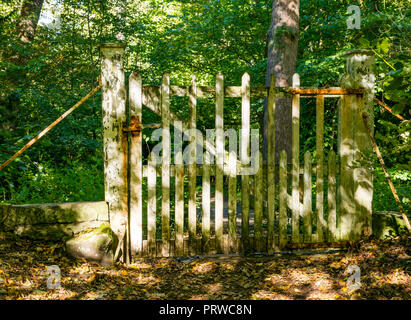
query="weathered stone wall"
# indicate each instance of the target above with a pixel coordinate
(52, 220)
(387, 224)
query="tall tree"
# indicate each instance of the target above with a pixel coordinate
(281, 62)
(29, 18)
(25, 30)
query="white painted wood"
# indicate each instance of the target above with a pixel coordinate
(321, 226)
(179, 188)
(219, 197)
(192, 210)
(331, 196)
(295, 153)
(136, 169)
(271, 166)
(165, 164)
(307, 201)
(245, 159)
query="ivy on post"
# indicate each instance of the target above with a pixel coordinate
(114, 141)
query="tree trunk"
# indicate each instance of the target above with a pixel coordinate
(15, 74)
(281, 62)
(29, 18)
(25, 32)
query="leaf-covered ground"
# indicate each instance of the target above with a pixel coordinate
(385, 274)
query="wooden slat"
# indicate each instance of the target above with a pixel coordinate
(232, 196)
(152, 102)
(199, 170)
(136, 171)
(146, 252)
(150, 92)
(165, 164)
(283, 200)
(179, 188)
(192, 210)
(245, 160)
(271, 243)
(209, 91)
(151, 207)
(295, 162)
(320, 171)
(307, 205)
(219, 197)
(332, 194)
(205, 222)
(258, 205)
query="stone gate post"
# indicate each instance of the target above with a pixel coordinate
(114, 142)
(359, 75)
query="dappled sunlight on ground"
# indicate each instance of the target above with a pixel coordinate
(385, 274)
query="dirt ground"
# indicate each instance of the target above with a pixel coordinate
(384, 273)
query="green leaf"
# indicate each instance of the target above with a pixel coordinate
(384, 45)
(364, 43)
(398, 108)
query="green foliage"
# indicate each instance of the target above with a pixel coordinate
(395, 142)
(41, 79)
(383, 199)
(46, 184)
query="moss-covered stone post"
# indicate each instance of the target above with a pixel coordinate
(360, 66)
(114, 142)
(356, 212)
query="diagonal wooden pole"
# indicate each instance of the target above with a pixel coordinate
(44, 132)
(394, 192)
(389, 109)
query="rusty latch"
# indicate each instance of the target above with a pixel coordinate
(135, 126)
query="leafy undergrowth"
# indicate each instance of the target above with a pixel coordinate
(385, 274)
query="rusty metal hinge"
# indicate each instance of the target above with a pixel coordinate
(137, 127)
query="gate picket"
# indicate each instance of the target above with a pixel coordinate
(205, 221)
(136, 173)
(271, 241)
(320, 168)
(245, 156)
(165, 165)
(307, 201)
(283, 200)
(192, 210)
(332, 212)
(151, 205)
(258, 205)
(219, 196)
(296, 161)
(232, 197)
(179, 188)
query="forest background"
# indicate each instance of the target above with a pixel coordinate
(42, 75)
